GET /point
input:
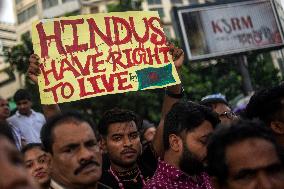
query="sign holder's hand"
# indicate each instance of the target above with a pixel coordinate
(33, 70)
(177, 55)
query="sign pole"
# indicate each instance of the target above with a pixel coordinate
(246, 81)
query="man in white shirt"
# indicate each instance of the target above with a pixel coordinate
(26, 120)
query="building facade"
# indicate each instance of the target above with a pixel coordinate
(9, 80)
(28, 11)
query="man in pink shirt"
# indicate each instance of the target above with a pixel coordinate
(186, 132)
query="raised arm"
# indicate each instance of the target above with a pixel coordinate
(33, 72)
(172, 95)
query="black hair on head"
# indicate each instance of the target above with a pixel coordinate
(227, 136)
(186, 116)
(31, 146)
(22, 94)
(47, 135)
(117, 115)
(266, 105)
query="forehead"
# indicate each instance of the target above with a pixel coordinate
(205, 128)
(250, 154)
(122, 128)
(33, 153)
(221, 108)
(23, 101)
(72, 132)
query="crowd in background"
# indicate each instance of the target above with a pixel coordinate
(196, 145)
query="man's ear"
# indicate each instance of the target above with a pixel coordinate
(175, 143)
(102, 144)
(277, 127)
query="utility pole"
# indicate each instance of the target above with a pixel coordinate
(246, 81)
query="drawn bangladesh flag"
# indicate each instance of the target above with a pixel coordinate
(149, 77)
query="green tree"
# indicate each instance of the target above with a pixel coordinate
(202, 78)
(263, 72)
(18, 58)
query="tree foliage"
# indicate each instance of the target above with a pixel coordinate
(18, 55)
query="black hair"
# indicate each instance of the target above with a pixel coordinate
(6, 130)
(186, 116)
(117, 115)
(266, 105)
(22, 94)
(31, 146)
(47, 135)
(227, 136)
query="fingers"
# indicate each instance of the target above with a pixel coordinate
(174, 51)
(34, 65)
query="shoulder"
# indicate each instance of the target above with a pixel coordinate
(151, 184)
(157, 181)
(13, 120)
(39, 116)
(108, 179)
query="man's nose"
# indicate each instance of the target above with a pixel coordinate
(264, 181)
(85, 154)
(127, 141)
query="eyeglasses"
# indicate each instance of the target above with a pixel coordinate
(228, 114)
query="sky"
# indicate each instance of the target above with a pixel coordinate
(6, 11)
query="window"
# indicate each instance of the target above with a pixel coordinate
(176, 1)
(94, 9)
(49, 3)
(160, 11)
(27, 14)
(154, 2)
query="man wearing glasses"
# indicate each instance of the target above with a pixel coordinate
(219, 104)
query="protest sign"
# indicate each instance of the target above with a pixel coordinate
(106, 53)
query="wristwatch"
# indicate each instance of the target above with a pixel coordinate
(174, 95)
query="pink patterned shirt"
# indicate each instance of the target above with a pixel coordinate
(169, 177)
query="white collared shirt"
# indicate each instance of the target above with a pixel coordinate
(28, 126)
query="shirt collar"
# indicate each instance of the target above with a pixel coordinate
(55, 185)
(19, 115)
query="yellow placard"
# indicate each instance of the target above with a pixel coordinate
(99, 54)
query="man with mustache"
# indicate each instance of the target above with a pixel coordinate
(76, 158)
(246, 156)
(186, 132)
(128, 166)
(37, 163)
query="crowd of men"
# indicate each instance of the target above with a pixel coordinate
(197, 145)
